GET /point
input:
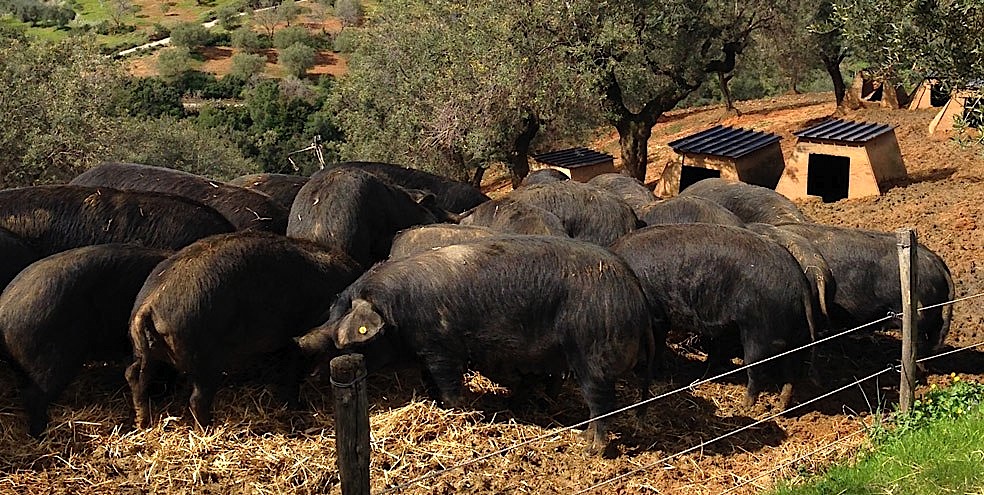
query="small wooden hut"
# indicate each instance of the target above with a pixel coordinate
(960, 104)
(929, 94)
(580, 164)
(838, 159)
(727, 152)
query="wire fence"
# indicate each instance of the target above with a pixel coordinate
(691, 386)
(731, 433)
(793, 461)
(893, 368)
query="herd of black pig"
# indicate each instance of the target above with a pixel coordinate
(556, 278)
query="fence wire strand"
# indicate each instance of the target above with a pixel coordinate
(952, 302)
(895, 368)
(691, 386)
(735, 432)
(792, 462)
(664, 395)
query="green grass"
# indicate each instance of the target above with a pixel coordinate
(49, 34)
(938, 449)
(93, 12)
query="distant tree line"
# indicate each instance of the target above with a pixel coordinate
(438, 85)
(38, 13)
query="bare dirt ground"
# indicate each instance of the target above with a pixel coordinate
(259, 447)
(217, 60)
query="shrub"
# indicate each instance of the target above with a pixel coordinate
(291, 35)
(245, 39)
(190, 35)
(150, 97)
(941, 403)
(160, 32)
(346, 41)
(172, 63)
(182, 145)
(245, 65)
(228, 16)
(297, 59)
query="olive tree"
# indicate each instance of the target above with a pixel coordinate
(647, 56)
(56, 101)
(894, 36)
(297, 59)
(246, 65)
(172, 63)
(190, 35)
(436, 85)
(245, 39)
(349, 12)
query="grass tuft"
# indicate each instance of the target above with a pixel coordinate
(937, 447)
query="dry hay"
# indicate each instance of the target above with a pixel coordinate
(258, 446)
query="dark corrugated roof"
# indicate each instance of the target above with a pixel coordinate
(720, 140)
(573, 157)
(847, 131)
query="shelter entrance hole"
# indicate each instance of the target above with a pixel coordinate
(828, 176)
(690, 175)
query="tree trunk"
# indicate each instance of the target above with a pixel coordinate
(832, 64)
(519, 157)
(633, 138)
(726, 92)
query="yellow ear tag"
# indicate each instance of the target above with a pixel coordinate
(363, 330)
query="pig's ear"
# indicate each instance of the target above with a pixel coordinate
(360, 325)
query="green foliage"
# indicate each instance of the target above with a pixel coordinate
(787, 45)
(951, 402)
(160, 32)
(278, 117)
(204, 85)
(150, 97)
(288, 10)
(346, 41)
(246, 39)
(297, 59)
(911, 38)
(172, 63)
(56, 109)
(935, 449)
(451, 89)
(266, 19)
(246, 65)
(179, 144)
(38, 13)
(291, 35)
(228, 16)
(190, 35)
(65, 107)
(120, 10)
(645, 57)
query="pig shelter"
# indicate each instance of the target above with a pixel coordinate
(580, 164)
(838, 159)
(727, 152)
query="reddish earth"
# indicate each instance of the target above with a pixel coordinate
(260, 448)
(217, 60)
(943, 199)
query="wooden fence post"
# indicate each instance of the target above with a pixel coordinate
(906, 238)
(348, 375)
